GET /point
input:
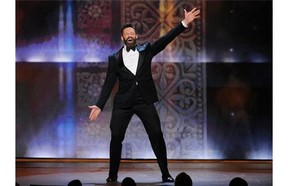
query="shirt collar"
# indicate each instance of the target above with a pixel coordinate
(125, 48)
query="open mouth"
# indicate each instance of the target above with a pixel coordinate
(130, 40)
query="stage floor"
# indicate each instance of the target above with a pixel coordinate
(35, 172)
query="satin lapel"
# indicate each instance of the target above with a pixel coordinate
(119, 58)
(140, 60)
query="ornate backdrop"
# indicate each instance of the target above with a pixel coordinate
(216, 110)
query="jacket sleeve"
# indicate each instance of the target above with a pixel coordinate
(109, 83)
(163, 41)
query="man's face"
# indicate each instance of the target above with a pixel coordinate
(129, 37)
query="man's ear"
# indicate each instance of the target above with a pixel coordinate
(122, 38)
(136, 36)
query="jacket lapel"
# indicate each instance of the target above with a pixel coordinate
(141, 49)
(140, 60)
(119, 58)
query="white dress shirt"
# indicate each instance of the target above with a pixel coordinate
(130, 59)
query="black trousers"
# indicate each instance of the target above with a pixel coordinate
(150, 119)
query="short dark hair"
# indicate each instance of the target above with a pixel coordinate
(183, 179)
(237, 181)
(128, 181)
(127, 25)
(75, 183)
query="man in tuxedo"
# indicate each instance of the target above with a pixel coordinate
(136, 94)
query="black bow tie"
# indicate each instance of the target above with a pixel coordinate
(131, 48)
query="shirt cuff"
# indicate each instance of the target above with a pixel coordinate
(185, 25)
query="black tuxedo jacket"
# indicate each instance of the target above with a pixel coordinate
(128, 82)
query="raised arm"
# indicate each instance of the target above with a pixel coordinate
(163, 41)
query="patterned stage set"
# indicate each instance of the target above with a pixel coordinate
(209, 109)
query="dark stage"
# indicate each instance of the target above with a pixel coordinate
(52, 172)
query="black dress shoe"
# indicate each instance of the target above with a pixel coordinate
(111, 180)
(167, 179)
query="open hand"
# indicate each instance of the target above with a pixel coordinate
(95, 111)
(190, 16)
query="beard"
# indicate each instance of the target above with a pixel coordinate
(130, 42)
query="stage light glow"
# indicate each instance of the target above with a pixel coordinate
(258, 58)
(100, 153)
(43, 151)
(91, 59)
(213, 154)
(36, 58)
(62, 58)
(204, 59)
(229, 60)
(42, 145)
(65, 47)
(57, 141)
(261, 154)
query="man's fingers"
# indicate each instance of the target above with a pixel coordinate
(93, 116)
(197, 12)
(94, 112)
(185, 12)
(193, 10)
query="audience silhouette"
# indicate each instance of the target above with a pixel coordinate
(237, 181)
(75, 183)
(128, 181)
(183, 179)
